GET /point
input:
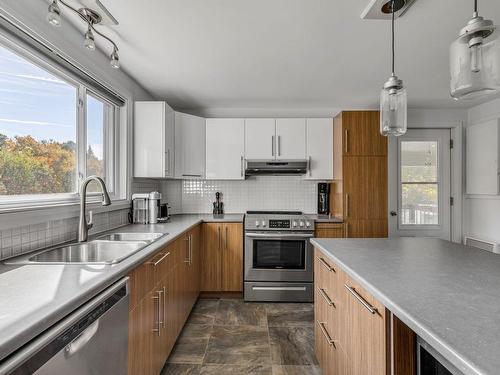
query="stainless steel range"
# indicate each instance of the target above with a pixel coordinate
(278, 256)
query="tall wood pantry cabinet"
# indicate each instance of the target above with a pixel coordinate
(359, 191)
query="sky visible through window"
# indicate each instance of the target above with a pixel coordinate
(36, 103)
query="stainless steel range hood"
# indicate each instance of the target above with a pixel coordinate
(276, 167)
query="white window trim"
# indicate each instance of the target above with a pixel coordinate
(29, 203)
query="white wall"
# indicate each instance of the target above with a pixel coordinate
(482, 213)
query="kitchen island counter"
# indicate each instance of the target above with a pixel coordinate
(449, 294)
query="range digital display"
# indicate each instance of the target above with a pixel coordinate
(279, 224)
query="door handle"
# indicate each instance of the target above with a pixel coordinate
(347, 205)
(225, 240)
(394, 213)
(325, 264)
(157, 329)
(326, 297)
(272, 145)
(187, 260)
(241, 167)
(160, 260)
(346, 141)
(279, 145)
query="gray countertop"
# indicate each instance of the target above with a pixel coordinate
(449, 294)
(34, 297)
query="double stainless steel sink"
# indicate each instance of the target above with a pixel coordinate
(108, 249)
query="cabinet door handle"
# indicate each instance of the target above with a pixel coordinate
(164, 305)
(167, 169)
(346, 141)
(309, 165)
(191, 175)
(279, 145)
(346, 230)
(225, 240)
(157, 329)
(272, 145)
(346, 205)
(241, 167)
(325, 333)
(326, 297)
(369, 307)
(159, 260)
(325, 264)
(187, 250)
(190, 249)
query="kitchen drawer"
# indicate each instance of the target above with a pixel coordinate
(326, 274)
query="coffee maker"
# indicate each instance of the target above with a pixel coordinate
(323, 198)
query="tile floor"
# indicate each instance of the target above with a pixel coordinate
(233, 337)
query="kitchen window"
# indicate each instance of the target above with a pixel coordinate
(54, 132)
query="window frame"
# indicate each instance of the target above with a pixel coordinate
(112, 160)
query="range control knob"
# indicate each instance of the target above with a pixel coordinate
(308, 224)
(294, 224)
(257, 223)
(301, 223)
(263, 223)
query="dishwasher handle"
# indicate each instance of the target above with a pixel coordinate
(82, 340)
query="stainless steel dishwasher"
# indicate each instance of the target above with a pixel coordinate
(91, 340)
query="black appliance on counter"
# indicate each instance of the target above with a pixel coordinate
(323, 198)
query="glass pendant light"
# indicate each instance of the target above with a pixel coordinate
(89, 42)
(54, 14)
(475, 59)
(114, 59)
(393, 103)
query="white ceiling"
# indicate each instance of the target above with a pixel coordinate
(286, 53)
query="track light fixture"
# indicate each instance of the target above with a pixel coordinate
(92, 18)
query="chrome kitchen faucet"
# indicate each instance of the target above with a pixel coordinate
(84, 225)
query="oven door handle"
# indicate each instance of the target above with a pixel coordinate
(279, 236)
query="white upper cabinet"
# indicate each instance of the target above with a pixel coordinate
(482, 153)
(290, 138)
(319, 148)
(189, 146)
(153, 140)
(225, 149)
(260, 142)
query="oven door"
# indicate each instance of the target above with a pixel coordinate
(278, 256)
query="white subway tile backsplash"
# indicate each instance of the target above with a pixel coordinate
(256, 193)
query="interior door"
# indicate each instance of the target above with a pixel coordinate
(420, 196)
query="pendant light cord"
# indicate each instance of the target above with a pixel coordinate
(393, 48)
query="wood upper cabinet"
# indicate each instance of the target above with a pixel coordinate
(359, 191)
(361, 134)
(222, 257)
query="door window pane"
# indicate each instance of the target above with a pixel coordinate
(419, 183)
(37, 129)
(419, 161)
(419, 204)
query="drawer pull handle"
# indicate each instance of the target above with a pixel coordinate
(325, 333)
(160, 260)
(369, 307)
(326, 298)
(326, 265)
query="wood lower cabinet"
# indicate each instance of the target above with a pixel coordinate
(222, 257)
(163, 291)
(354, 333)
(329, 230)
